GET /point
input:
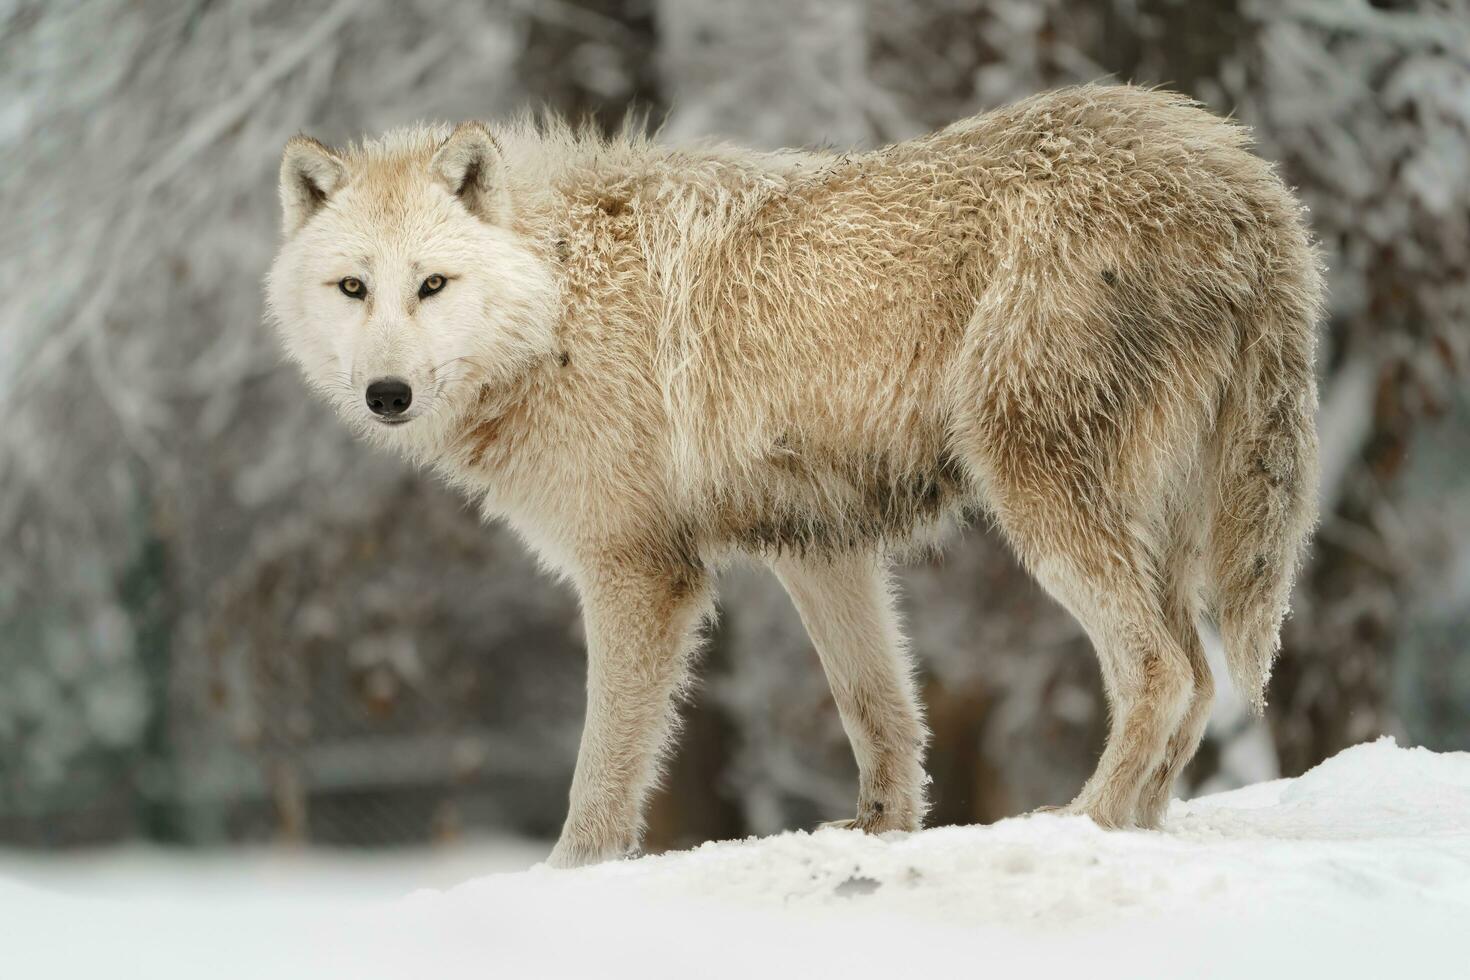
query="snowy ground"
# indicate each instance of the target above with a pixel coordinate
(1361, 867)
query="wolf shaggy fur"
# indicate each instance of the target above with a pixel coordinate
(1089, 316)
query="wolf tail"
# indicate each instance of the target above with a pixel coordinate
(1264, 500)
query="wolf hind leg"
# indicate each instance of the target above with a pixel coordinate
(1181, 589)
(1092, 560)
(846, 604)
(1148, 680)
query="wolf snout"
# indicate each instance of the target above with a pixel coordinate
(389, 398)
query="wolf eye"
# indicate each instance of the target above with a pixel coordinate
(431, 286)
(352, 287)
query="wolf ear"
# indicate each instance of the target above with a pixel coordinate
(471, 166)
(309, 174)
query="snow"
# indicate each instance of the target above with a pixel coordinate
(1360, 867)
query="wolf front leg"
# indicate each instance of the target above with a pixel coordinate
(641, 617)
(847, 606)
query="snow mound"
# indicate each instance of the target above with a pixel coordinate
(1360, 867)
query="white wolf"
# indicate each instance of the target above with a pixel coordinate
(1089, 315)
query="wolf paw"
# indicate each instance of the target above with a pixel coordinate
(1107, 815)
(878, 818)
(574, 853)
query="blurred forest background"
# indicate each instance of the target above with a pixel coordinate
(194, 647)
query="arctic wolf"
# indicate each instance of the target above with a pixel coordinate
(1089, 316)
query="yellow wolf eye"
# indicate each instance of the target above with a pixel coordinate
(353, 287)
(431, 285)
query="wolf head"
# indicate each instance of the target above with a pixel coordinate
(402, 289)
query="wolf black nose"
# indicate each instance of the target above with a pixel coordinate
(389, 397)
